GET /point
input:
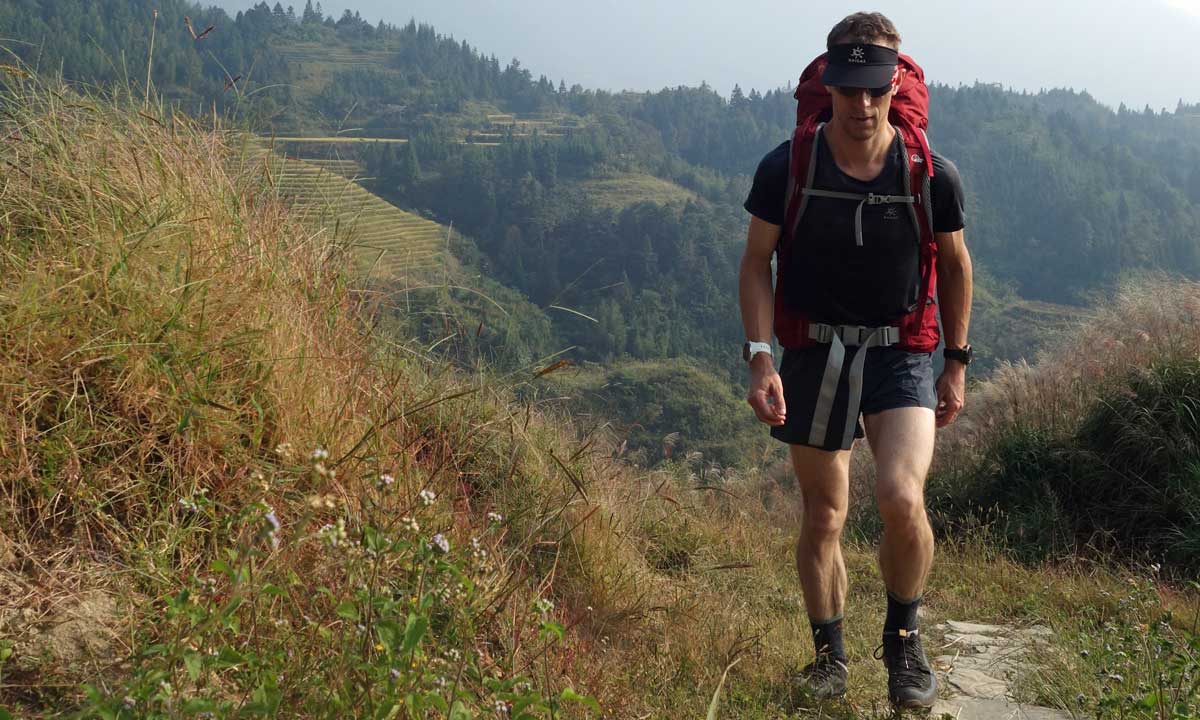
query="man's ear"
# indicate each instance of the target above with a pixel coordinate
(901, 74)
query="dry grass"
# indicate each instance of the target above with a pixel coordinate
(176, 342)
(1150, 320)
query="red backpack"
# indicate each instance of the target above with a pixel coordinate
(909, 113)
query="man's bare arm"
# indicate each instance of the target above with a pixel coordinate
(754, 280)
(757, 300)
(955, 288)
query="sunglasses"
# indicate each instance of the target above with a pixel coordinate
(855, 91)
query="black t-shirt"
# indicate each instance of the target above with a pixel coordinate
(832, 278)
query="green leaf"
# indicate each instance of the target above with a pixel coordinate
(199, 705)
(228, 657)
(4, 714)
(414, 630)
(553, 628)
(712, 706)
(272, 589)
(459, 712)
(193, 662)
(569, 694)
(347, 609)
(389, 633)
(437, 701)
(373, 539)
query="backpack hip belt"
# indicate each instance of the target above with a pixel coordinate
(839, 338)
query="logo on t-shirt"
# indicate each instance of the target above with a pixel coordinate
(891, 213)
(857, 55)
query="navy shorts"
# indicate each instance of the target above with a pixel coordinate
(892, 378)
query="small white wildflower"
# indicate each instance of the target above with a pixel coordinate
(319, 454)
(271, 518)
(544, 605)
(441, 543)
(395, 673)
(501, 707)
(495, 517)
(441, 681)
(386, 480)
(335, 535)
(284, 450)
(128, 702)
(410, 524)
(428, 496)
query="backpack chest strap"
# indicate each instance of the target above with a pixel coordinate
(868, 199)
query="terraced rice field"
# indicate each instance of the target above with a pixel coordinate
(632, 188)
(388, 241)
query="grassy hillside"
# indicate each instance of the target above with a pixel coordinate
(224, 493)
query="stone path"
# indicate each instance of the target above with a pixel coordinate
(977, 667)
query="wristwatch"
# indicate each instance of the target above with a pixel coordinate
(963, 354)
(750, 349)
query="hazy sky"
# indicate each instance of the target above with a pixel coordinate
(1134, 51)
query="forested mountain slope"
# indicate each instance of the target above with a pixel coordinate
(541, 177)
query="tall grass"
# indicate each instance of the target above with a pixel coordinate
(1096, 446)
(224, 494)
(200, 429)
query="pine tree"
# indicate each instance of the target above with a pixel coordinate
(410, 166)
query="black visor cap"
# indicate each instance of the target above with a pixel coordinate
(860, 65)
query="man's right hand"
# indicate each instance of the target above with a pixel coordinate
(766, 391)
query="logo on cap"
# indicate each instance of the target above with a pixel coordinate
(857, 55)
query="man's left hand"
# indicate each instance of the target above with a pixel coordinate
(951, 389)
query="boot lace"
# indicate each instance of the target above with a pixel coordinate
(824, 668)
(904, 659)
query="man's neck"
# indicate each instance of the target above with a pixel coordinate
(861, 158)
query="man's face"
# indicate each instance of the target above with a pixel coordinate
(858, 113)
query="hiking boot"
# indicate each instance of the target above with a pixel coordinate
(823, 678)
(911, 683)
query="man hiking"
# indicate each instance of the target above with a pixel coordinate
(866, 223)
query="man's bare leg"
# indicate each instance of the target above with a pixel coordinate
(902, 443)
(824, 481)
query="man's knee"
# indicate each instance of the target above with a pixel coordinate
(823, 520)
(901, 504)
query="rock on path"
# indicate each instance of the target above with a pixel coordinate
(978, 666)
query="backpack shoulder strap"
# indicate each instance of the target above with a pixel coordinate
(803, 163)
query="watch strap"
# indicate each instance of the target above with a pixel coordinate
(752, 348)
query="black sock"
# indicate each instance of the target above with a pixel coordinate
(901, 614)
(827, 637)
